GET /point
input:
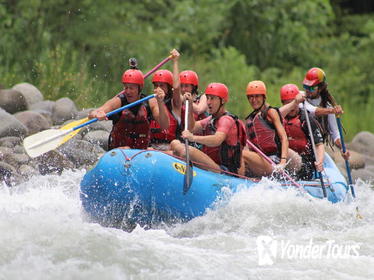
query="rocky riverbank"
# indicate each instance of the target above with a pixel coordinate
(23, 112)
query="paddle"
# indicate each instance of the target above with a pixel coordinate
(188, 175)
(314, 149)
(50, 139)
(347, 166)
(254, 147)
(54, 136)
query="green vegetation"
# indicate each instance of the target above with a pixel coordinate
(80, 48)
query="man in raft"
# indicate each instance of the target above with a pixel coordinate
(221, 134)
(298, 135)
(131, 127)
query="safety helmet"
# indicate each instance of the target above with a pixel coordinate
(189, 77)
(314, 77)
(133, 76)
(289, 92)
(256, 87)
(218, 89)
(163, 76)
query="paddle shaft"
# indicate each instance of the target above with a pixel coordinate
(347, 165)
(150, 72)
(253, 146)
(187, 178)
(314, 148)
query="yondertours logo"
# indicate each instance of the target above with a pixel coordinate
(270, 249)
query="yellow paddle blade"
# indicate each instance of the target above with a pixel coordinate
(71, 125)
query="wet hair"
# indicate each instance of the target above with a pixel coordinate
(326, 97)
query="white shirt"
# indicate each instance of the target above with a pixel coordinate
(311, 105)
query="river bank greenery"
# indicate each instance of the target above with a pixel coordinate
(80, 48)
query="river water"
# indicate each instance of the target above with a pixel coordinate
(259, 234)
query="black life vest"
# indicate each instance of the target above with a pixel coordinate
(131, 127)
(225, 154)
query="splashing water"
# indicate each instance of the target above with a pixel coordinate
(45, 236)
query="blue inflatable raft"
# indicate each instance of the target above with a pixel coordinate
(129, 187)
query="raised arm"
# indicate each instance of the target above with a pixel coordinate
(177, 100)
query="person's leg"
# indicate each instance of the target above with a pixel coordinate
(256, 164)
(294, 161)
(196, 155)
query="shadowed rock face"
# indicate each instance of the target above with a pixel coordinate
(31, 93)
(10, 126)
(34, 121)
(12, 101)
(64, 110)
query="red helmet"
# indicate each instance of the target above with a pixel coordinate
(289, 92)
(218, 89)
(133, 76)
(163, 76)
(314, 77)
(256, 87)
(189, 77)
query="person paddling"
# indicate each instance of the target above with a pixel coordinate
(131, 127)
(298, 136)
(265, 130)
(221, 134)
(320, 103)
(163, 80)
(189, 83)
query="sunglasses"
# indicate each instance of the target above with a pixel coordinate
(310, 88)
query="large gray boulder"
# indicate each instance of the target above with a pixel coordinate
(366, 175)
(98, 137)
(10, 126)
(12, 101)
(52, 162)
(30, 92)
(46, 105)
(356, 160)
(80, 152)
(64, 110)
(10, 141)
(363, 143)
(34, 121)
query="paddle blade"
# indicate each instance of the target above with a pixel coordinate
(44, 141)
(188, 177)
(50, 139)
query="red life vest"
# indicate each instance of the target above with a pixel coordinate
(297, 138)
(262, 133)
(159, 135)
(130, 129)
(225, 154)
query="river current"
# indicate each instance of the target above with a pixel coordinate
(260, 233)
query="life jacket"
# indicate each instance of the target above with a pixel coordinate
(297, 138)
(262, 133)
(225, 154)
(131, 127)
(174, 131)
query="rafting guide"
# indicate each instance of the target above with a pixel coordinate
(270, 249)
